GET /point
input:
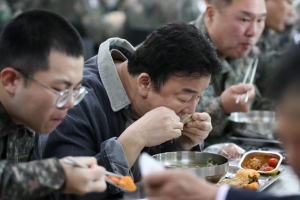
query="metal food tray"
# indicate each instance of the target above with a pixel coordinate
(264, 180)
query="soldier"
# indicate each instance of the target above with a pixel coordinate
(234, 27)
(279, 14)
(181, 184)
(144, 16)
(41, 70)
(5, 14)
(274, 39)
(90, 18)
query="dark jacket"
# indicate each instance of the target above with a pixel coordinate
(235, 194)
(91, 129)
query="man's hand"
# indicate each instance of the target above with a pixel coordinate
(81, 180)
(229, 96)
(195, 131)
(178, 184)
(155, 127)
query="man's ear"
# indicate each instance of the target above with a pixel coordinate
(209, 13)
(144, 84)
(10, 79)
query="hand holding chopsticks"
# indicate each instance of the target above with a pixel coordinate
(82, 180)
(253, 67)
(120, 181)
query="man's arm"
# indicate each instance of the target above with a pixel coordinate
(30, 180)
(91, 129)
(250, 195)
(181, 184)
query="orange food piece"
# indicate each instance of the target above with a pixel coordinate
(252, 186)
(125, 182)
(114, 179)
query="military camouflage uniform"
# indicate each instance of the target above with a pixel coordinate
(273, 45)
(154, 13)
(233, 73)
(88, 18)
(144, 16)
(269, 45)
(5, 14)
(18, 179)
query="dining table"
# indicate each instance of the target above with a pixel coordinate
(287, 184)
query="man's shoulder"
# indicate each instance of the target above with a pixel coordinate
(250, 195)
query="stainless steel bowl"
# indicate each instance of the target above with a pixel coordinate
(212, 174)
(253, 124)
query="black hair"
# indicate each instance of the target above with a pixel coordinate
(27, 40)
(175, 48)
(286, 77)
(220, 3)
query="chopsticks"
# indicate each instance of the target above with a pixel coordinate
(71, 161)
(246, 77)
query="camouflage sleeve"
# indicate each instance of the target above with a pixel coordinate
(30, 180)
(213, 106)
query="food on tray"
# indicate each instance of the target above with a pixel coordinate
(261, 162)
(247, 178)
(273, 162)
(187, 119)
(125, 182)
(209, 163)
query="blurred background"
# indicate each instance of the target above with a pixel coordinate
(98, 20)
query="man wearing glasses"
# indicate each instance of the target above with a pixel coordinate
(41, 63)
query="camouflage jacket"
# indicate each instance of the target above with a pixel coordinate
(269, 46)
(88, 18)
(5, 14)
(273, 45)
(152, 14)
(233, 72)
(19, 179)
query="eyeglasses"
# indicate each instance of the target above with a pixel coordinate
(62, 96)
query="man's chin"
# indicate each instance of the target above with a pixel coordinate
(242, 54)
(46, 130)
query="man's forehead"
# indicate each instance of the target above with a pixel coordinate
(255, 7)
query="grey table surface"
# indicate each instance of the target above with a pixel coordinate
(287, 184)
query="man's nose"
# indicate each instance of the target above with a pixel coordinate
(191, 107)
(252, 29)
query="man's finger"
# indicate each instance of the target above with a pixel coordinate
(177, 125)
(202, 117)
(98, 186)
(241, 88)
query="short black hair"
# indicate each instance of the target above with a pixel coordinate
(172, 49)
(27, 40)
(286, 77)
(220, 3)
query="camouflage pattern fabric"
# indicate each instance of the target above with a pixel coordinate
(20, 179)
(273, 45)
(88, 17)
(233, 73)
(5, 14)
(269, 45)
(152, 14)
